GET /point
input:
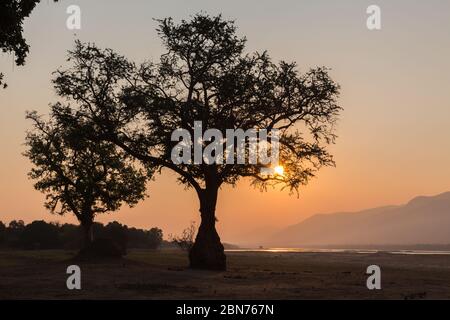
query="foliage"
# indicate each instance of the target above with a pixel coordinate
(186, 240)
(12, 14)
(79, 175)
(44, 235)
(40, 235)
(204, 76)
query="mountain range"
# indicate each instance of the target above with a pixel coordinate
(423, 220)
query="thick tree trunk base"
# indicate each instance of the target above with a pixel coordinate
(208, 252)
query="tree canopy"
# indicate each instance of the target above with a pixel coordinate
(81, 176)
(204, 75)
(12, 14)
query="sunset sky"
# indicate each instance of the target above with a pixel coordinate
(394, 132)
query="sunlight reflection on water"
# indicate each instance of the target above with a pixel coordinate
(359, 251)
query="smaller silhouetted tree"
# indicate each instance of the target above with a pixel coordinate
(80, 176)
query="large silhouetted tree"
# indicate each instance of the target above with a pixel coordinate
(80, 176)
(12, 14)
(206, 76)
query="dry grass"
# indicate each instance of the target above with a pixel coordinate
(147, 274)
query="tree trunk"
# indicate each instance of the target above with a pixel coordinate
(207, 251)
(88, 233)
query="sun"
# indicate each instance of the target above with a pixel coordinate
(279, 170)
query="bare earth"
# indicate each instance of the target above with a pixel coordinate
(146, 274)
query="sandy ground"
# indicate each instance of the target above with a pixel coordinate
(146, 274)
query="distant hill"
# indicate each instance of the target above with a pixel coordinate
(423, 220)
